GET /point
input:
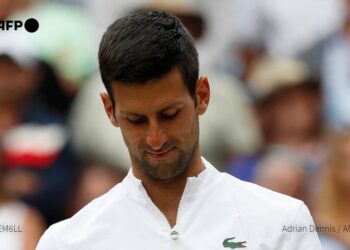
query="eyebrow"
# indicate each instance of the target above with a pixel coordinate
(174, 105)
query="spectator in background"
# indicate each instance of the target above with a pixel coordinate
(288, 111)
(6, 7)
(64, 39)
(33, 137)
(19, 217)
(272, 28)
(283, 170)
(332, 202)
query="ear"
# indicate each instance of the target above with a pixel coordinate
(202, 94)
(107, 103)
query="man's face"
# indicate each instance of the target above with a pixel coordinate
(159, 123)
(16, 83)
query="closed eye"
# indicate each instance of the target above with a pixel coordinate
(136, 121)
(170, 116)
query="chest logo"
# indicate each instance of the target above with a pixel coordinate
(232, 244)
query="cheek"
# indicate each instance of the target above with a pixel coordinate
(195, 129)
(132, 138)
(187, 129)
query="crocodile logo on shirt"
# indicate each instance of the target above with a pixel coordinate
(233, 245)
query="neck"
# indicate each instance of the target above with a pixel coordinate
(166, 195)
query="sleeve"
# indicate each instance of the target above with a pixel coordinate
(46, 242)
(308, 238)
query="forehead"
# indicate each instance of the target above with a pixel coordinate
(153, 94)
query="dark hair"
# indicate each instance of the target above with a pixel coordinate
(146, 45)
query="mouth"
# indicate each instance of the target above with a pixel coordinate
(160, 154)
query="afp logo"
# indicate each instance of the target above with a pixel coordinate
(31, 25)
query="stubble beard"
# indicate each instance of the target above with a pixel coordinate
(168, 172)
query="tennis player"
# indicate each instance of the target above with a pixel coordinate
(172, 198)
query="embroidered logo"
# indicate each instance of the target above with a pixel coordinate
(233, 245)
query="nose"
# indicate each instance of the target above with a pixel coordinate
(156, 136)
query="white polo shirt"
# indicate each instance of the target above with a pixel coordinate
(217, 211)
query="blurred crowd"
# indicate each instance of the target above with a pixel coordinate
(279, 114)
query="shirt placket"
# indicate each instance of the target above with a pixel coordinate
(173, 232)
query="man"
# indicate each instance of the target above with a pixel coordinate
(171, 198)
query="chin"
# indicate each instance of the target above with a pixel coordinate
(162, 173)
